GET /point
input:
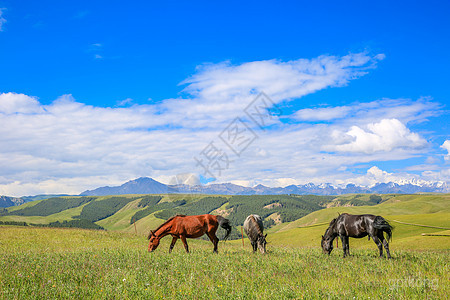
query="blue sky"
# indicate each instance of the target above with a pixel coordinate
(100, 92)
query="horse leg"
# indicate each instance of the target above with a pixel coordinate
(183, 239)
(254, 246)
(347, 245)
(386, 246)
(379, 244)
(174, 240)
(214, 240)
(344, 245)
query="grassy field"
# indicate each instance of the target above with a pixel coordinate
(50, 263)
(432, 210)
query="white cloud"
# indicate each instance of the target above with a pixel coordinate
(322, 114)
(68, 146)
(96, 49)
(220, 92)
(184, 178)
(280, 80)
(124, 102)
(375, 175)
(11, 103)
(384, 135)
(378, 175)
(283, 182)
(246, 183)
(2, 20)
(446, 146)
(404, 110)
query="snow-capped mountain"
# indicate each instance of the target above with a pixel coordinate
(146, 185)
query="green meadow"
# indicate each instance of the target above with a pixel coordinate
(68, 263)
(429, 210)
(53, 263)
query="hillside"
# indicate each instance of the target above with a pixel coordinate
(120, 212)
(430, 210)
(284, 215)
(125, 212)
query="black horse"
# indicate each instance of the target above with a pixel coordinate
(357, 226)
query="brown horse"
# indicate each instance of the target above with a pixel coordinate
(182, 227)
(357, 226)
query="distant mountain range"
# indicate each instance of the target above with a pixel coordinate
(145, 185)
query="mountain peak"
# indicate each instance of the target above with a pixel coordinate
(142, 185)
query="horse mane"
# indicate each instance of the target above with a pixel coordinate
(170, 219)
(332, 223)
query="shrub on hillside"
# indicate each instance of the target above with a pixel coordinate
(202, 206)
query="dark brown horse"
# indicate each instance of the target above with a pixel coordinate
(357, 226)
(182, 227)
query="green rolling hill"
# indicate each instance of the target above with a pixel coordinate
(285, 215)
(430, 210)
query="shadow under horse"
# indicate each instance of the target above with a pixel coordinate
(182, 227)
(357, 226)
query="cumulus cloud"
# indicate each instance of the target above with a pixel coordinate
(184, 178)
(375, 175)
(385, 135)
(446, 146)
(11, 103)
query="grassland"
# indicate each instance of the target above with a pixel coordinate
(432, 210)
(50, 263)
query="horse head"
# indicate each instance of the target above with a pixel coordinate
(153, 241)
(261, 243)
(327, 243)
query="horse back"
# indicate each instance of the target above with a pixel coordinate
(194, 226)
(253, 227)
(356, 226)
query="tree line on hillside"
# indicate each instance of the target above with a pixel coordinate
(155, 207)
(101, 209)
(149, 201)
(203, 206)
(289, 207)
(51, 206)
(236, 208)
(82, 223)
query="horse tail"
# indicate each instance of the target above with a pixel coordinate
(225, 224)
(383, 225)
